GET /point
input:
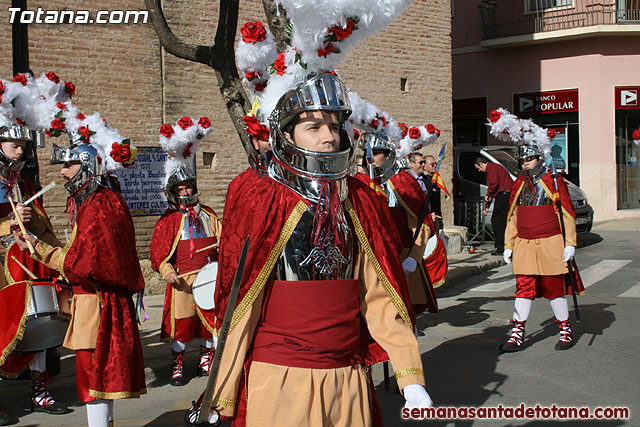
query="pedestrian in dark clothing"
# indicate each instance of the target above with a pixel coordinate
(499, 182)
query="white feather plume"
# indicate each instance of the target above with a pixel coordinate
(182, 145)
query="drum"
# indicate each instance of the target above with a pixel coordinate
(204, 286)
(48, 315)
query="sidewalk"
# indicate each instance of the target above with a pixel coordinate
(464, 264)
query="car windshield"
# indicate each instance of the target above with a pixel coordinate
(506, 158)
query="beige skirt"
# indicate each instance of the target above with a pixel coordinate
(285, 396)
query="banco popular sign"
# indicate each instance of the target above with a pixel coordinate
(556, 101)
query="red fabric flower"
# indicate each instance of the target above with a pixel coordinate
(185, 122)
(61, 106)
(69, 88)
(356, 134)
(250, 75)
(48, 133)
(431, 128)
(255, 128)
(2, 87)
(253, 32)
(166, 130)
(84, 131)
(404, 128)
(438, 131)
(81, 116)
(57, 124)
(204, 122)
(494, 116)
(19, 121)
(636, 134)
(551, 133)
(279, 65)
(374, 123)
(414, 133)
(120, 153)
(20, 78)
(259, 86)
(384, 121)
(0, 99)
(327, 50)
(342, 33)
(53, 77)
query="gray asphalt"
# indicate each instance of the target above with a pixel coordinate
(459, 348)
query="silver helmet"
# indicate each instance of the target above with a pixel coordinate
(181, 175)
(528, 150)
(9, 168)
(300, 168)
(369, 141)
(89, 176)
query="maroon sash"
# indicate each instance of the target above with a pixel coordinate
(190, 261)
(537, 222)
(310, 324)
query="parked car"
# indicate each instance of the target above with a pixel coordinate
(470, 187)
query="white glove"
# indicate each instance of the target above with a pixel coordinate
(416, 397)
(409, 265)
(569, 253)
(507, 255)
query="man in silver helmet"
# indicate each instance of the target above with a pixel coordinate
(18, 188)
(184, 240)
(323, 295)
(101, 264)
(534, 240)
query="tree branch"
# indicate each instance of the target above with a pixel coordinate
(173, 44)
(276, 21)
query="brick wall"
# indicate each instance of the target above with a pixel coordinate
(121, 72)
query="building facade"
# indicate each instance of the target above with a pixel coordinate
(121, 71)
(570, 65)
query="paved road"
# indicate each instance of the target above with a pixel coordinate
(459, 346)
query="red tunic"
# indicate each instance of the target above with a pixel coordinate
(102, 253)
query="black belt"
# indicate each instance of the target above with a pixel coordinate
(503, 192)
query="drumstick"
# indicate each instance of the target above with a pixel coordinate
(21, 225)
(191, 272)
(215, 245)
(40, 193)
(26, 270)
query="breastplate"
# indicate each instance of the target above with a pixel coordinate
(533, 195)
(302, 260)
(198, 230)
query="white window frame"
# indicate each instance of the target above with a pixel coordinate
(529, 6)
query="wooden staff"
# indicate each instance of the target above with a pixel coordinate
(21, 225)
(26, 270)
(191, 272)
(215, 245)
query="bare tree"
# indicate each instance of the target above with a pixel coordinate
(220, 56)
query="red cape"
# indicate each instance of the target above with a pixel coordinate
(102, 253)
(274, 211)
(239, 186)
(166, 235)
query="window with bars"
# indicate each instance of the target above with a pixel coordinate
(540, 5)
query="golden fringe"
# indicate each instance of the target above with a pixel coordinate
(263, 276)
(23, 324)
(409, 371)
(117, 395)
(205, 323)
(389, 289)
(65, 250)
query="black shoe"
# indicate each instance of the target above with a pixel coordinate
(52, 408)
(178, 381)
(5, 420)
(563, 345)
(510, 347)
(497, 252)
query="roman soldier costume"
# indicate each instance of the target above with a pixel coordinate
(319, 244)
(184, 240)
(18, 101)
(534, 236)
(100, 262)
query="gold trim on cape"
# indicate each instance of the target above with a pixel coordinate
(21, 327)
(409, 371)
(388, 287)
(65, 250)
(263, 276)
(117, 395)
